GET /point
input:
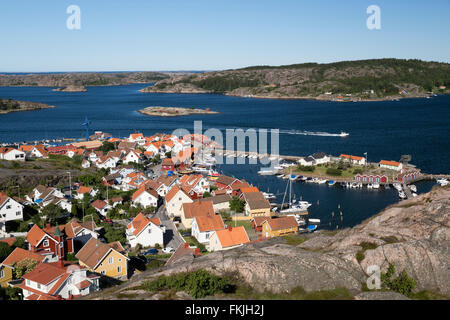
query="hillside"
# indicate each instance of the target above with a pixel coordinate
(412, 235)
(79, 79)
(353, 80)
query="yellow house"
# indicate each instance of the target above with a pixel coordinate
(104, 259)
(275, 227)
(256, 205)
(6, 275)
(18, 255)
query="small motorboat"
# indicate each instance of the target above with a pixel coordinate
(397, 186)
(343, 184)
(369, 186)
(321, 181)
(309, 179)
(401, 194)
(311, 227)
(414, 194)
(442, 182)
(376, 185)
(314, 221)
(331, 183)
(344, 134)
(413, 188)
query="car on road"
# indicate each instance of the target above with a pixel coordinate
(168, 250)
(150, 251)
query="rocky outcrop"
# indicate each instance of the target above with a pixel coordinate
(413, 234)
(71, 89)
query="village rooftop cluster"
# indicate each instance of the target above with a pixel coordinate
(101, 225)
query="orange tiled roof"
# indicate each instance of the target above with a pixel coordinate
(83, 189)
(390, 163)
(232, 236)
(197, 209)
(20, 254)
(347, 156)
(140, 222)
(209, 222)
(282, 223)
(250, 189)
(35, 235)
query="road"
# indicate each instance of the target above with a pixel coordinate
(172, 237)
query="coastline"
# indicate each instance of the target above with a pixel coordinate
(28, 106)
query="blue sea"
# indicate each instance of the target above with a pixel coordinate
(385, 130)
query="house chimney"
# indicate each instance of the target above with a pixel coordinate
(186, 245)
(47, 226)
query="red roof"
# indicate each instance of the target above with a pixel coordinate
(390, 163)
(347, 156)
(140, 222)
(232, 236)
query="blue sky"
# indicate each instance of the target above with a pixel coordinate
(212, 35)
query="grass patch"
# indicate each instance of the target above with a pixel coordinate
(293, 240)
(364, 246)
(390, 239)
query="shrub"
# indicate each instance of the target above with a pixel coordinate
(198, 284)
(5, 250)
(403, 284)
(360, 256)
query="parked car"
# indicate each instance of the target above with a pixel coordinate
(168, 250)
(150, 251)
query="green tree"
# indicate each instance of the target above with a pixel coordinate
(237, 204)
(52, 212)
(19, 243)
(5, 250)
(23, 267)
(206, 194)
(107, 146)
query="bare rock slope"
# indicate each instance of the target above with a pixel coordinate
(414, 235)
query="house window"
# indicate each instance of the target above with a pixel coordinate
(2, 273)
(119, 269)
(18, 213)
(39, 285)
(103, 272)
(27, 282)
(149, 230)
(8, 207)
(45, 244)
(111, 260)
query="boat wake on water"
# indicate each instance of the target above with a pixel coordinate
(311, 133)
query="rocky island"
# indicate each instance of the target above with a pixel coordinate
(174, 111)
(71, 88)
(7, 106)
(361, 80)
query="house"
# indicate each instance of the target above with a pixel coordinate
(56, 281)
(174, 201)
(10, 209)
(194, 185)
(132, 156)
(105, 162)
(82, 190)
(184, 253)
(43, 194)
(145, 197)
(116, 201)
(145, 231)
(136, 137)
(167, 182)
(353, 159)
(112, 179)
(167, 165)
(315, 159)
(228, 238)
(256, 205)
(52, 242)
(106, 259)
(195, 209)
(157, 186)
(80, 232)
(11, 154)
(257, 223)
(220, 202)
(85, 164)
(88, 145)
(101, 206)
(126, 145)
(391, 165)
(225, 182)
(280, 226)
(7, 266)
(203, 227)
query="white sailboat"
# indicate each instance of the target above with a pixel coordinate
(294, 206)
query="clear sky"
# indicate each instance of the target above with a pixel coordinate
(211, 34)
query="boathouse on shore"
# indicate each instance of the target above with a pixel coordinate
(371, 178)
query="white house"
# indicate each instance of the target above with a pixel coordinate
(136, 137)
(106, 162)
(47, 281)
(203, 227)
(391, 165)
(145, 198)
(228, 238)
(10, 209)
(353, 159)
(82, 190)
(11, 154)
(174, 201)
(85, 164)
(146, 232)
(131, 156)
(315, 159)
(101, 206)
